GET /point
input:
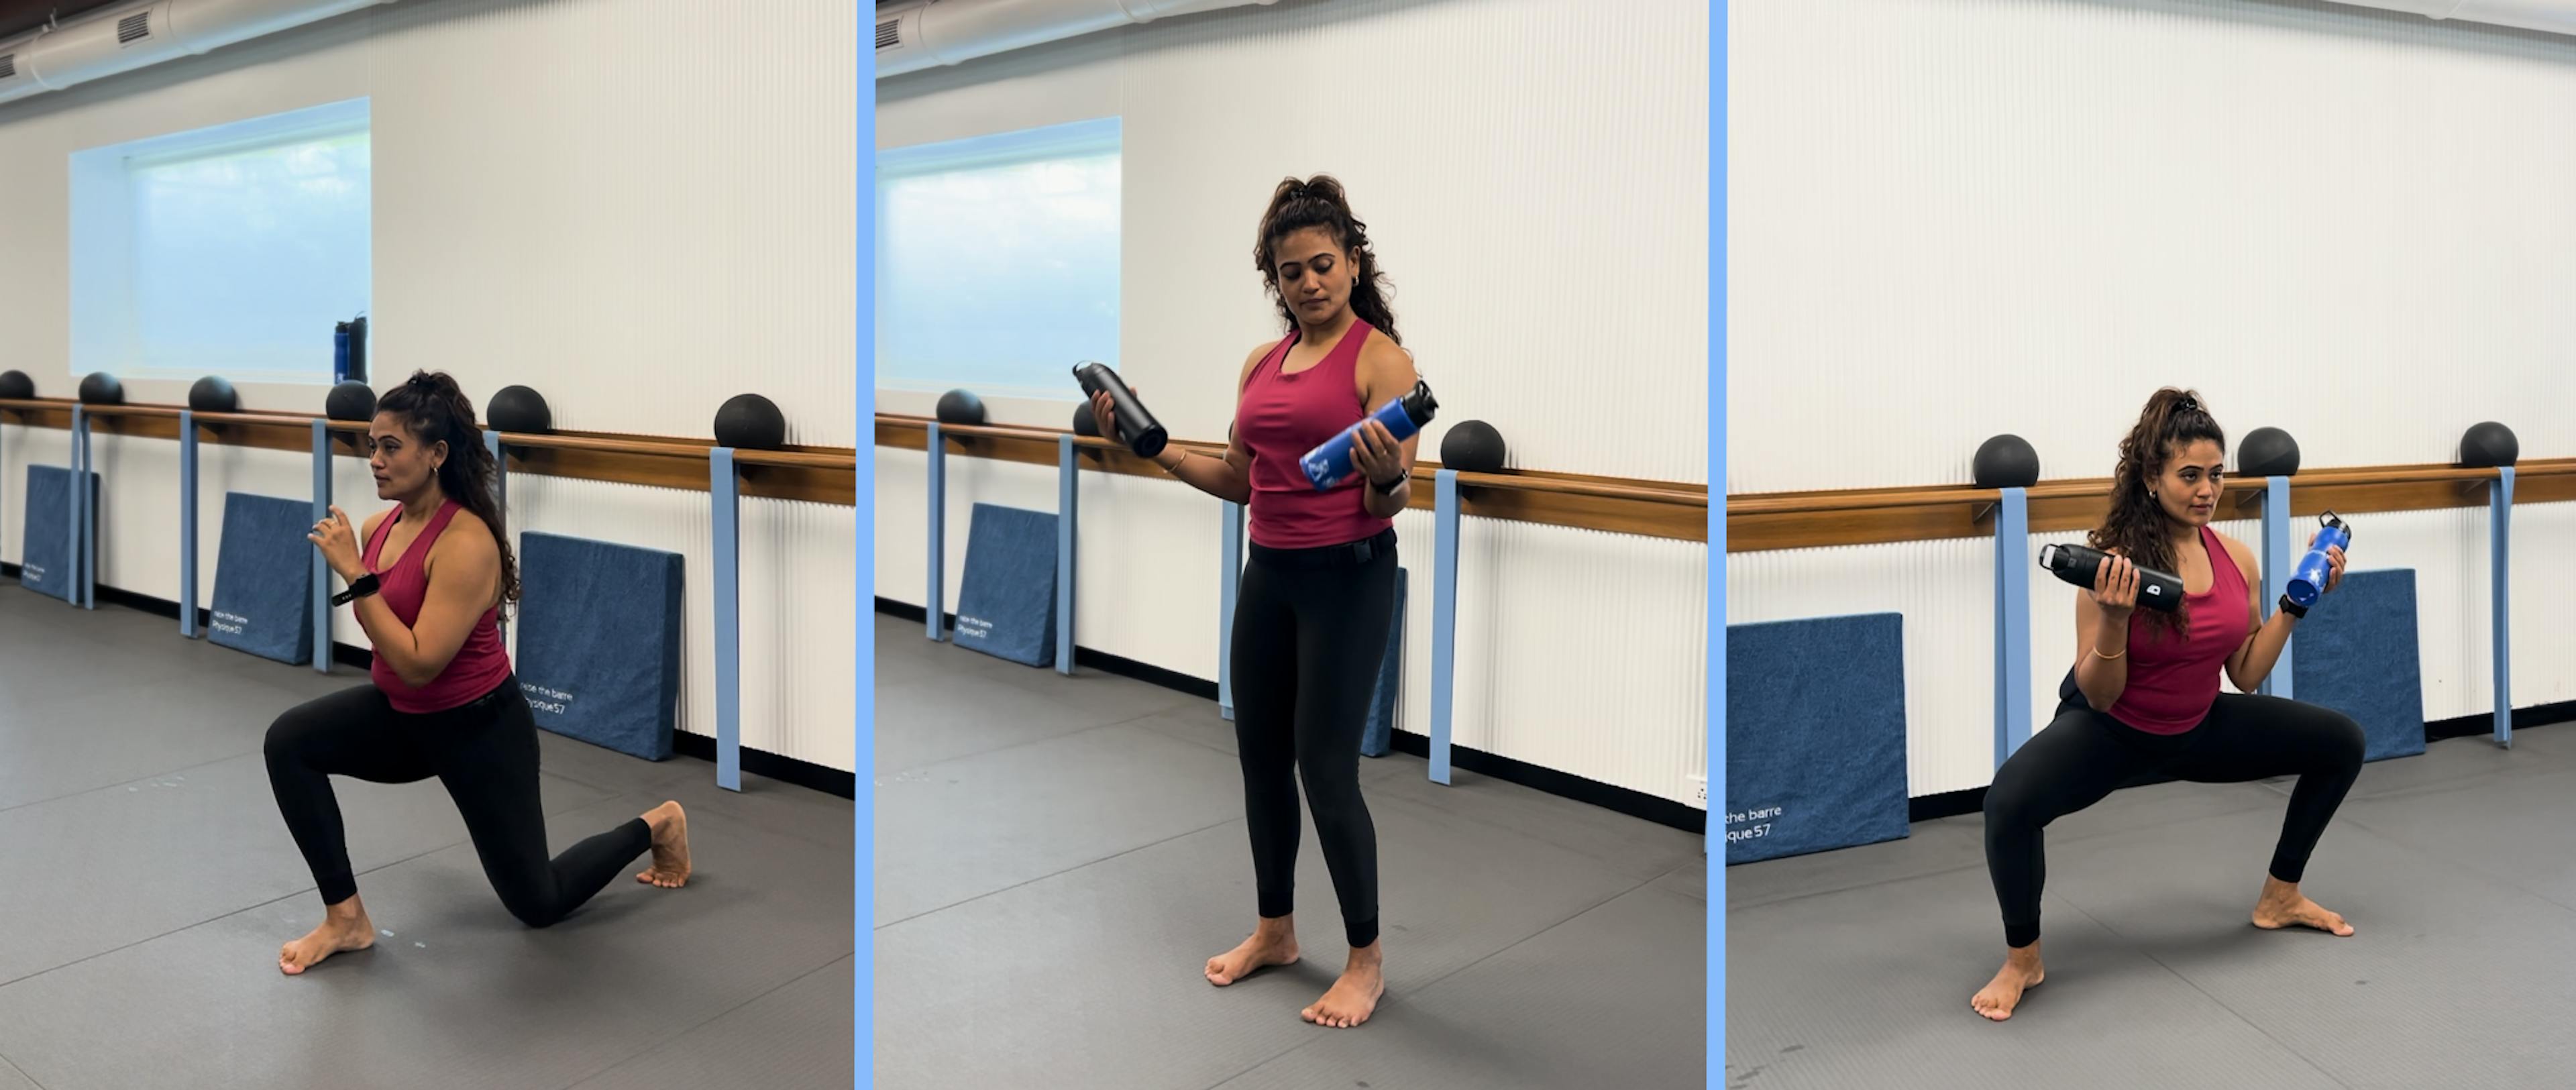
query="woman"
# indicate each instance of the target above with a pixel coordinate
(2144, 699)
(1310, 625)
(442, 701)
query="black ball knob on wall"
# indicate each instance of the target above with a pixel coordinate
(16, 386)
(2488, 445)
(2267, 452)
(2005, 461)
(101, 388)
(1473, 446)
(750, 422)
(520, 410)
(213, 394)
(960, 407)
(350, 402)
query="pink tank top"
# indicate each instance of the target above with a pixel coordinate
(480, 666)
(1280, 417)
(2173, 682)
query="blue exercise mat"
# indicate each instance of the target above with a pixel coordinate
(263, 602)
(45, 557)
(2356, 652)
(1006, 603)
(599, 641)
(1379, 735)
(1815, 736)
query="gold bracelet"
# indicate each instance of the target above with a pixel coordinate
(1175, 467)
(2097, 653)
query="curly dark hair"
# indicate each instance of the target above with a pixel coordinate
(2137, 524)
(1320, 201)
(434, 409)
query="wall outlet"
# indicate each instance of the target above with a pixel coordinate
(1698, 788)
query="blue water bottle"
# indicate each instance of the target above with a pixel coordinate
(1328, 464)
(2308, 580)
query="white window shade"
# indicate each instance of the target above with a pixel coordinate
(232, 250)
(997, 263)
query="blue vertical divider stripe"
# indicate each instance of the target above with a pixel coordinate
(2500, 573)
(2012, 623)
(937, 602)
(1229, 588)
(321, 569)
(1068, 492)
(725, 496)
(187, 524)
(2276, 580)
(1444, 615)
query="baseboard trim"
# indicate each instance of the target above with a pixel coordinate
(758, 762)
(1616, 799)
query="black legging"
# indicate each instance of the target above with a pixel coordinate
(486, 755)
(1310, 629)
(2084, 755)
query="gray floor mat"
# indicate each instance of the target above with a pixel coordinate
(1639, 1011)
(969, 827)
(1853, 968)
(128, 863)
(798, 1037)
(458, 995)
(1057, 857)
(155, 882)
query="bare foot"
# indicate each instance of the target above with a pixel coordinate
(2282, 905)
(1354, 997)
(1269, 945)
(2022, 970)
(344, 927)
(670, 869)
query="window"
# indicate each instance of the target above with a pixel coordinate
(234, 250)
(997, 261)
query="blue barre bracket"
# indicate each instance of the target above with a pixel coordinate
(84, 539)
(500, 501)
(2500, 572)
(2276, 575)
(187, 524)
(321, 569)
(1229, 589)
(1068, 493)
(2012, 623)
(938, 599)
(723, 489)
(1444, 615)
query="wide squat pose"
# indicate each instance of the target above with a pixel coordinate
(1310, 626)
(2143, 698)
(442, 700)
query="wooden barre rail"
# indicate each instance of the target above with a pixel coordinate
(811, 474)
(1660, 509)
(1805, 520)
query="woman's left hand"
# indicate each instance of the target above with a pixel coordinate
(1376, 453)
(338, 542)
(2334, 567)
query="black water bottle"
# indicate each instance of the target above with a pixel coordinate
(1136, 427)
(2078, 564)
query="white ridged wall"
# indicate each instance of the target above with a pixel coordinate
(1953, 218)
(553, 208)
(1539, 200)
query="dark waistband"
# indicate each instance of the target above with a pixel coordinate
(486, 704)
(1349, 554)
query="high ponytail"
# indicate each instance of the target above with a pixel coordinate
(1321, 202)
(434, 409)
(2137, 524)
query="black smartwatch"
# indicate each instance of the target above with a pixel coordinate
(365, 585)
(1390, 487)
(2294, 609)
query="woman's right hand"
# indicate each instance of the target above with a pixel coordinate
(1104, 412)
(2115, 587)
